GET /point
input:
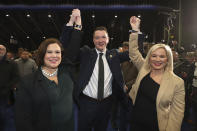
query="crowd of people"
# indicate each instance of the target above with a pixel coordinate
(143, 90)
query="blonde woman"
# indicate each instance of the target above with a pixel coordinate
(158, 95)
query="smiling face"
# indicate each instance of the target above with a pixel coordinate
(158, 59)
(100, 40)
(52, 56)
(24, 55)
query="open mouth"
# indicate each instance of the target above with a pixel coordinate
(101, 44)
(157, 64)
(53, 61)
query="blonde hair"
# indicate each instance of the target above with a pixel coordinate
(169, 66)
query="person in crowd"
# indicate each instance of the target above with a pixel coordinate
(188, 70)
(184, 67)
(44, 100)
(158, 95)
(174, 45)
(177, 64)
(10, 56)
(129, 70)
(9, 77)
(194, 93)
(26, 65)
(19, 51)
(100, 78)
(189, 73)
(34, 54)
(129, 74)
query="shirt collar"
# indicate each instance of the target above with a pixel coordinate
(97, 51)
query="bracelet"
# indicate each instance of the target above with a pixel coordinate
(78, 26)
(133, 31)
(69, 24)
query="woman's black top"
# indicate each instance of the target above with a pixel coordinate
(145, 114)
(60, 97)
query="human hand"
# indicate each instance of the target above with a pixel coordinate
(75, 17)
(135, 23)
(76, 12)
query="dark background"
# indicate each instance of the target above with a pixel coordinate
(16, 27)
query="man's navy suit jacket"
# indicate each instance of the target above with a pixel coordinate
(87, 58)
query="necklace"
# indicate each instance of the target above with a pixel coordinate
(48, 74)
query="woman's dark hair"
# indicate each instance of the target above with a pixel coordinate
(43, 47)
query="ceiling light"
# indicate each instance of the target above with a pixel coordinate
(115, 16)
(43, 37)
(139, 16)
(28, 15)
(93, 16)
(49, 15)
(111, 38)
(146, 37)
(7, 15)
(27, 37)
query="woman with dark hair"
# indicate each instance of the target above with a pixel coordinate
(158, 95)
(44, 100)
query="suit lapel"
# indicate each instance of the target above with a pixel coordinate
(93, 58)
(109, 57)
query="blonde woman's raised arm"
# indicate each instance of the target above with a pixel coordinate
(134, 54)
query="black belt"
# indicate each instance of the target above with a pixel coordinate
(94, 99)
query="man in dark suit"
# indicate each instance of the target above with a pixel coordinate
(9, 77)
(100, 79)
